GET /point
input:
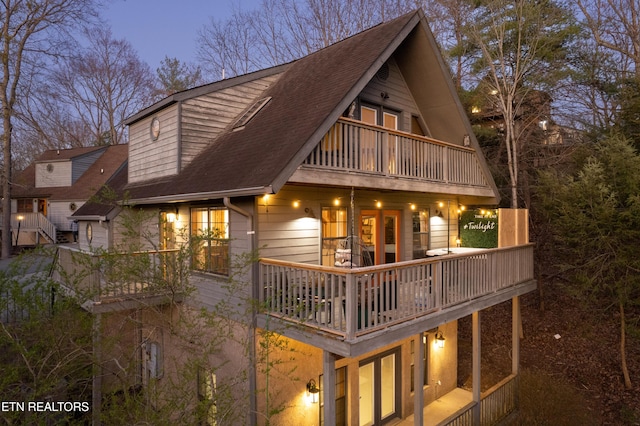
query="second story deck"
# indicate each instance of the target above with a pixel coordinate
(348, 311)
(361, 149)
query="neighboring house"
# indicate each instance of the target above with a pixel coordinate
(347, 170)
(54, 186)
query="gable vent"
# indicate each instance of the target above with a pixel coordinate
(383, 72)
(251, 112)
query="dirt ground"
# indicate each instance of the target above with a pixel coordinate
(566, 341)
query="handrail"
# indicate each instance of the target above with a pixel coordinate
(356, 301)
(351, 145)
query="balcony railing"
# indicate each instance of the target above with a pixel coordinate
(32, 222)
(351, 145)
(104, 278)
(357, 301)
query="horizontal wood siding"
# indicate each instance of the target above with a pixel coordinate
(58, 213)
(286, 232)
(205, 117)
(149, 159)
(59, 176)
(399, 100)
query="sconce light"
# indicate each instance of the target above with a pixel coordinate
(378, 204)
(384, 95)
(309, 213)
(439, 214)
(439, 339)
(296, 204)
(312, 390)
(171, 217)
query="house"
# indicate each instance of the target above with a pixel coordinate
(54, 186)
(347, 172)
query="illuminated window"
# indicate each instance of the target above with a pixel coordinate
(210, 229)
(334, 230)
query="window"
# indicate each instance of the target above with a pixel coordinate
(334, 230)
(25, 205)
(210, 229)
(420, 221)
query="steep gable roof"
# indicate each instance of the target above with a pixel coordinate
(93, 178)
(310, 95)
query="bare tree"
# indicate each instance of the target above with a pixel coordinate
(284, 30)
(104, 84)
(28, 30)
(522, 46)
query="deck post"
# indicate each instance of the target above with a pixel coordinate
(329, 387)
(418, 378)
(476, 388)
(515, 335)
(350, 306)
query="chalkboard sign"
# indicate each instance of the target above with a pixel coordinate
(479, 228)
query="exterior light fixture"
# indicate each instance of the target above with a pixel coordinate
(439, 339)
(413, 206)
(296, 204)
(313, 390)
(336, 202)
(378, 204)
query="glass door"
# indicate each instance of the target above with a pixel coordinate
(380, 233)
(378, 380)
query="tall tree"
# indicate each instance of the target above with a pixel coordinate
(28, 30)
(521, 48)
(104, 84)
(176, 76)
(595, 216)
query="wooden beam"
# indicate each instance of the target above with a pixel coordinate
(476, 357)
(329, 387)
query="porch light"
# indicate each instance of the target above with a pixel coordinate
(413, 206)
(296, 204)
(312, 390)
(171, 217)
(336, 202)
(378, 204)
(439, 339)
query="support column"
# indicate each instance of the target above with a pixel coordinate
(475, 317)
(515, 335)
(96, 391)
(329, 387)
(418, 378)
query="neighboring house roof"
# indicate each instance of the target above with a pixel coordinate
(96, 208)
(108, 163)
(306, 100)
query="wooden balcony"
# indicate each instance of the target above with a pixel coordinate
(111, 282)
(353, 146)
(351, 305)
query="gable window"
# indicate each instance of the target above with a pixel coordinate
(210, 230)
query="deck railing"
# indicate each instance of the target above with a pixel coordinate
(495, 405)
(352, 145)
(107, 277)
(352, 302)
(32, 222)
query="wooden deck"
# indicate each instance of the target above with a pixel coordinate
(352, 303)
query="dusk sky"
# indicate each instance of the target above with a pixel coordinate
(162, 28)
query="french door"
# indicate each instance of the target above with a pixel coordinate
(379, 389)
(380, 233)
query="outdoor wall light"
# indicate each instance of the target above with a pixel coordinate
(313, 390)
(309, 213)
(439, 339)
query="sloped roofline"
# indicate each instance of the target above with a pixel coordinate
(203, 90)
(203, 179)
